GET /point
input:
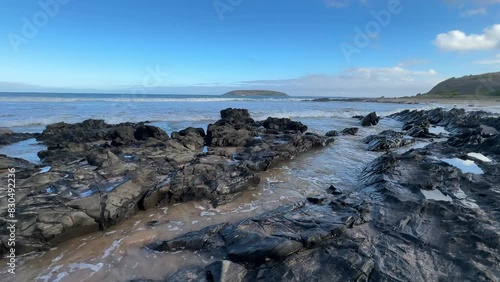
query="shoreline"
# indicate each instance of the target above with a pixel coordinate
(487, 104)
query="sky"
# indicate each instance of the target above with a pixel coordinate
(354, 48)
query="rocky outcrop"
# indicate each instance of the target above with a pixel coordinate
(268, 245)
(283, 125)
(95, 174)
(370, 120)
(413, 217)
(345, 131)
(350, 131)
(191, 138)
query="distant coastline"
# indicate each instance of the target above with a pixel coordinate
(254, 93)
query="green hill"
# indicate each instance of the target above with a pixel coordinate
(487, 84)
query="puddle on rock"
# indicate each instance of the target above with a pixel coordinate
(438, 130)
(436, 195)
(466, 166)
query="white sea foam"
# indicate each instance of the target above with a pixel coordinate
(136, 99)
(113, 246)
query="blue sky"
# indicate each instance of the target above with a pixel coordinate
(302, 47)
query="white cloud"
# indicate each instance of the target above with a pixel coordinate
(457, 40)
(355, 82)
(495, 61)
(413, 62)
(390, 74)
(474, 12)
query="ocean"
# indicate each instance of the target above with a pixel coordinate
(117, 254)
(31, 112)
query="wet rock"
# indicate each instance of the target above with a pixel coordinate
(411, 218)
(284, 124)
(334, 190)
(124, 135)
(317, 199)
(263, 239)
(332, 133)
(17, 163)
(212, 178)
(191, 138)
(225, 271)
(152, 223)
(346, 131)
(370, 120)
(228, 136)
(236, 115)
(102, 174)
(387, 140)
(350, 131)
(146, 131)
(189, 274)
(397, 181)
(86, 131)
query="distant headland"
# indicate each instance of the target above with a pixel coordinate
(255, 93)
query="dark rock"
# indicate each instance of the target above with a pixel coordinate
(228, 136)
(192, 131)
(152, 223)
(124, 135)
(317, 199)
(387, 140)
(146, 131)
(365, 234)
(94, 184)
(86, 131)
(189, 274)
(370, 120)
(236, 115)
(12, 137)
(350, 131)
(249, 241)
(284, 124)
(333, 190)
(332, 133)
(191, 138)
(225, 271)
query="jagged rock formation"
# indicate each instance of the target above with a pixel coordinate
(95, 174)
(413, 217)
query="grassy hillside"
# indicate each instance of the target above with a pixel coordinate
(487, 84)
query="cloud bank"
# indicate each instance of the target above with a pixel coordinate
(457, 40)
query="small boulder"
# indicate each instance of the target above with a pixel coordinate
(332, 133)
(350, 131)
(147, 131)
(284, 124)
(370, 120)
